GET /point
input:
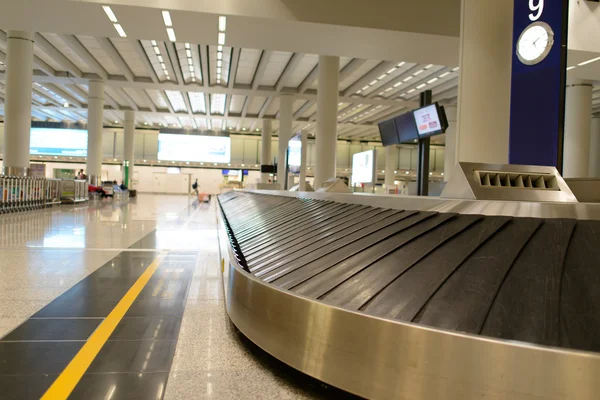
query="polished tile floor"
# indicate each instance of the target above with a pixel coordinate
(62, 271)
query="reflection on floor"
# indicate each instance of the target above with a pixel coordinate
(63, 270)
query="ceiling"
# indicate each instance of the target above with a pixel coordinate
(176, 84)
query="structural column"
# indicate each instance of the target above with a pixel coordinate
(391, 162)
(95, 118)
(327, 103)
(128, 148)
(578, 126)
(17, 109)
(265, 155)
(485, 80)
(450, 149)
(285, 133)
(595, 148)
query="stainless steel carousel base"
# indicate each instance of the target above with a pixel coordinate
(383, 358)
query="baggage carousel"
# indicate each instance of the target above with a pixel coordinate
(419, 298)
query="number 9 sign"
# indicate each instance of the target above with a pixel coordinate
(536, 5)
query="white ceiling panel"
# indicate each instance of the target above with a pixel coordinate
(276, 65)
(224, 64)
(130, 56)
(157, 98)
(139, 98)
(92, 45)
(66, 50)
(273, 107)
(247, 66)
(305, 66)
(237, 103)
(367, 66)
(255, 105)
(47, 59)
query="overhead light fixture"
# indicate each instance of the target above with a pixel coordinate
(171, 34)
(455, 69)
(156, 50)
(219, 48)
(570, 68)
(419, 72)
(110, 14)
(163, 66)
(400, 64)
(421, 86)
(120, 30)
(188, 53)
(411, 90)
(66, 105)
(221, 39)
(397, 84)
(407, 172)
(160, 60)
(432, 80)
(222, 23)
(219, 63)
(589, 61)
(167, 18)
(219, 55)
(445, 74)
(391, 70)
(381, 77)
(116, 122)
(373, 82)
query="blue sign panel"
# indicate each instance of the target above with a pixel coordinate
(538, 82)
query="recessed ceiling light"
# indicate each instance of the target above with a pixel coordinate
(66, 105)
(570, 68)
(219, 55)
(391, 70)
(219, 48)
(188, 53)
(167, 18)
(411, 90)
(397, 84)
(589, 61)
(156, 50)
(381, 77)
(400, 64)
(120, 30)
(421, 86)
(419, 72)
(221, 38)
(455, 69)
(145, 161)
(219, 63)
(222, 23)
(110, 14)
(171, 34)
(407, 172)
(365, 88)
(373, 82)
(408, 78)
(257, 130)
(445, 74)
(116, 122)
(161, 60)
(432, 80)
(395, 172)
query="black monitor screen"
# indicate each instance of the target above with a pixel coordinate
(406, 127)
(387, 130)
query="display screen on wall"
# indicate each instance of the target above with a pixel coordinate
(295, 153)
(58, 142)
(194, 148)
(363, 167)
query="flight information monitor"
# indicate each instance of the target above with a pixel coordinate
(429, 121)
(388, 132)
(406, 127)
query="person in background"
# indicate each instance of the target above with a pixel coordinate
(195, 187)
(82, 175)
(123, 186)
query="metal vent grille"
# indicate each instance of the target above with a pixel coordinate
(517, 180)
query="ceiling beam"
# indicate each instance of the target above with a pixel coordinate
(188, 105)
(398, 80)
(82, 52)
(166, 99)
(233, 67)
(176, 66)
(62, 93)
(203, 51)
(227, 104)
(43, 94)
(207, 104)
(150, 102)
(304, 108)
(246, 105)
(370, 76)
(57, 56)
(77, 91)
(309, 80)
(265, 107)
(139, 49)
(261, 68)
(289, 70)
(110, 49)
(386, 114)
(350, 68)
(125, 96)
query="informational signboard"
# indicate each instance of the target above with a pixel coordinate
(58, 142)
(539, 62)
(295, 153)
(194, 148)
(363, 167)
(38, 170)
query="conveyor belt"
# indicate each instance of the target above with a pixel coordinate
(525, 279)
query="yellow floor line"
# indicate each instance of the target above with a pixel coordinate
(68, 379)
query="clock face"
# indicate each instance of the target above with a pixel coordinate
(535, 43)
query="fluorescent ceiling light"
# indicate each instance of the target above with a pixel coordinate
(188, 46)
(219, 70)
(445, 74)
(570, 68)
(154, 43)
(171, 34)
(219, 48)
(156, 50)
(163, 66)
(589, 61)
(219, 55)
(391, 70)
(429, 66)
(421, 86)
(397, 84)
(160, 59)
(411, 90)
(110, 14)
(222, 23)
(167, 18)
(188, 53)
(365, 87)
(388, 89)
(120, 30)
(191, 68)
(219, 63)
(190, 62)
(456, 69)
(221, 38)
(381, 77)
(66, 105)
(432, 80)
(419, 72)
(408, 78)
(400, 64)
(373, 82)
